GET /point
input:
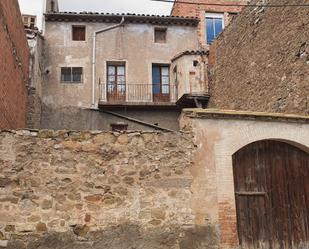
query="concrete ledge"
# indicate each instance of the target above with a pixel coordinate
(248, 115)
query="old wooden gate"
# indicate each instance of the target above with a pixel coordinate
(272, 196)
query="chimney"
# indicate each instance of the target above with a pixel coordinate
(52, 6)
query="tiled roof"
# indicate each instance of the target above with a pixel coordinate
(191, 52)
(111, 17)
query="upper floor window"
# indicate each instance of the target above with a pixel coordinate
(78, 33)
(161, 83)
(116, 81)
(214, 25)
(160, 35)
(71, 74)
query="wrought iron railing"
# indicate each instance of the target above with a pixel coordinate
(143, 93)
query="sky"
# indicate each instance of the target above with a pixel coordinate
(35, 7)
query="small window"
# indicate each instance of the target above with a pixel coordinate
(78, 33)
(71, 74)
(160, 35)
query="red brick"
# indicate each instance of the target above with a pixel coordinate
(199, 10)
(14, 67)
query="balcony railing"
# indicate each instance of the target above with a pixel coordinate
(138, 93)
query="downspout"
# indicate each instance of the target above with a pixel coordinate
(94, 57)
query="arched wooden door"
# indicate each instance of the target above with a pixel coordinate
(272, 196)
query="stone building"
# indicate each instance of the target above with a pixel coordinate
(214, 15)
(260, 62)
(14, 67)
(100, 69)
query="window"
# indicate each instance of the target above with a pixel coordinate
(29, 21)
(71, 74)
(160, 82)
(214, 26)
(116, 81)
(32, 22)
(78, 33)
(160, 35)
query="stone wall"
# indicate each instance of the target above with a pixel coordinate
(14, 66)
(61, 189)
(261, 61)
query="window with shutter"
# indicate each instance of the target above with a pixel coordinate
(78, 33)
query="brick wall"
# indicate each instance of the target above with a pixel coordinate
(260, 62)
(14, 63)
(200, 8)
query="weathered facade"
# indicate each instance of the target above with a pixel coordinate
(14, 67)
(251, 177)
(36, 46)
(214, 15)
(260, 62)
(119, 63)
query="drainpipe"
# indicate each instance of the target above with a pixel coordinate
(94, 57)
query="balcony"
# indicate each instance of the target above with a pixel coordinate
(137, 95)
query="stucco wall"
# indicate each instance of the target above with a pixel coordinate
(218, 137)
(37, 72)
(133, 44)
(190, 79)
(74, 118)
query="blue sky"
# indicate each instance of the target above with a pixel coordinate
(35, 7)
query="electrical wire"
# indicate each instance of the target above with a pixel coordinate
(236, 5)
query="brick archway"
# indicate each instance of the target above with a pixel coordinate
(219, 135)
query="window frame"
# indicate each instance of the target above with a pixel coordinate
(72, 76)
(78, 26)
(160, 29)
(214, 15)
(117, 87)
(162, 85)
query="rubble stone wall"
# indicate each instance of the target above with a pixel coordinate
(61, 189)
(261, 61)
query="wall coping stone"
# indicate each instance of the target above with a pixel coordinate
(247, 115)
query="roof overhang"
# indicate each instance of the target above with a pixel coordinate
(116, 18)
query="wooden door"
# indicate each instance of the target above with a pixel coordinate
(160, 83)
(272, 196)
(116, 83)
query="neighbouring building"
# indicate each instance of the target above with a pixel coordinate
(29, 21)
(214, 15)
(36, 68)
(14, 67)
(141, 68)
(261, 61)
